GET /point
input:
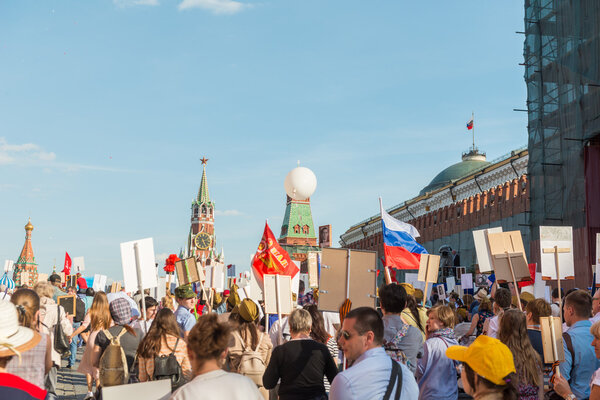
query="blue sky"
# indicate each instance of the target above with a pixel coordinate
(107, 106)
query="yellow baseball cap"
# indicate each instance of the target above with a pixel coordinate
(488, 357)
(410, 289)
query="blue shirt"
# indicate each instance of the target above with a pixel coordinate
(579, 369)
(436, 373)
(185, 319)
(368, 379)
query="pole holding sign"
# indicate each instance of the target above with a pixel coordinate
(429, 267)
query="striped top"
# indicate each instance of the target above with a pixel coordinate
(32, 366)
(332, 346)
(146, 365)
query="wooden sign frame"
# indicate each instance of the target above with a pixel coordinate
(191, 274)
(313, 269)
(429, 268)
(482, 248)
(552, 340)
(347, 274)
(556, 247)
(68, 302)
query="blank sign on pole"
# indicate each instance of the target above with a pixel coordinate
(147, 264)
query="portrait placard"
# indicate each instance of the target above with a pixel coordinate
(466, 281)
(557, 239)
(188, 271)
(484, 256)
(147, 264)
(68, 302)
(349, 274)
(325, 236)
(283, 291)
(504, 246)
(78, 264)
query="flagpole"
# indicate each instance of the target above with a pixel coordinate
(473, 119)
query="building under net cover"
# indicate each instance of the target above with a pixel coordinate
(562, 73)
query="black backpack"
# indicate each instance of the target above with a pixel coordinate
(167, 367)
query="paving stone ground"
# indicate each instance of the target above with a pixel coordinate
(71, 384)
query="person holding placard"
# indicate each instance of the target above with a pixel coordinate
(578, 367)
(370, 373)
(534, 310)
(304, 354)
(186, 298)
(528, 364)
(561, 385)
(436, 373)
(207, 348)
(402, 342)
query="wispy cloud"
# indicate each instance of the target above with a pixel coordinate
(33, 155)
(12, 153)
(214, 6)
(228, 213)
(131, 3)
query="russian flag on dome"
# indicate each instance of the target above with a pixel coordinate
(470, 124)
(401, 250)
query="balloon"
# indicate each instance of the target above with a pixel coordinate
(300, 183)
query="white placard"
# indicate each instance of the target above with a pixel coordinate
(99, 283)
(78, 264)
(597, 274)
(451, 283)
(284, 292)
(482, 248)
(215, 277)
(147, 264)
(466, 281)
(8, 265)
(539, 286)
(161, 289)
(597, 248)
(256, 292)
(153, 390)
(548, 294)
(412, 278)
(562, 237)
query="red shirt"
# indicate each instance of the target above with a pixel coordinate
(14, 387)
(81, 283)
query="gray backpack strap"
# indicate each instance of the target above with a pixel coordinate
(395, 380)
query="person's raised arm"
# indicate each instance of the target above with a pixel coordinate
(473, 326)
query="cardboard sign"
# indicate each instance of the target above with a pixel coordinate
(507, 245)
(68, 302)
(272, 292)
(349, 274)
(597, 269)
(190, 273)
(557, 239)
(115, 287)
(153, 390)
(466, 281)
(147, 264)
(597, 248)
(552, 340)
(484, 256)
(429, 268)
(313, 269)
(78, 264)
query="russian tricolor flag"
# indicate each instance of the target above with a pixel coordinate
(400, 248)
(470, 124)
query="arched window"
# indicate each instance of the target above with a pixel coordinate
(203, 209)
(296, 228)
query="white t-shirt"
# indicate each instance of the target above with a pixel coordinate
(555, 309)
(493, 327)
(595, 378)
(4, 296)
(218, 385)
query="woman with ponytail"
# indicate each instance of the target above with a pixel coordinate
(36, 363)
(490, 358)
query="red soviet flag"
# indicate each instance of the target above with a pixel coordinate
(271, 258)
(67, 268)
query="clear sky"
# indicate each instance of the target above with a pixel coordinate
(106, 108)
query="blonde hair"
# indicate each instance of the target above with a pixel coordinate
(44, 289)
(595, 330)
(300, 321)
(445, 314)
(100, 313)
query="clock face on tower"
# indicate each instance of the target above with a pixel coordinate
(202, 241)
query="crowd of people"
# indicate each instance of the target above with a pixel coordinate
(478, 346)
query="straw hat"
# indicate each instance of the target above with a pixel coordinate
(481, 294)
(14, 339)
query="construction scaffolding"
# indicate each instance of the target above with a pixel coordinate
(562, 73)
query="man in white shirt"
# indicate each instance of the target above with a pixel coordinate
(370, 375)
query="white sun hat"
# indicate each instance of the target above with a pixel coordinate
(14, 339)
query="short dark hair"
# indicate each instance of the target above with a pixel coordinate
(367, 319)
(555, 293)
(581, 301)
(90, 292)
(503, 298)
(392, 298)
(54, 278)
(149, 302)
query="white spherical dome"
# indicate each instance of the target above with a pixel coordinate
(300, 183)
